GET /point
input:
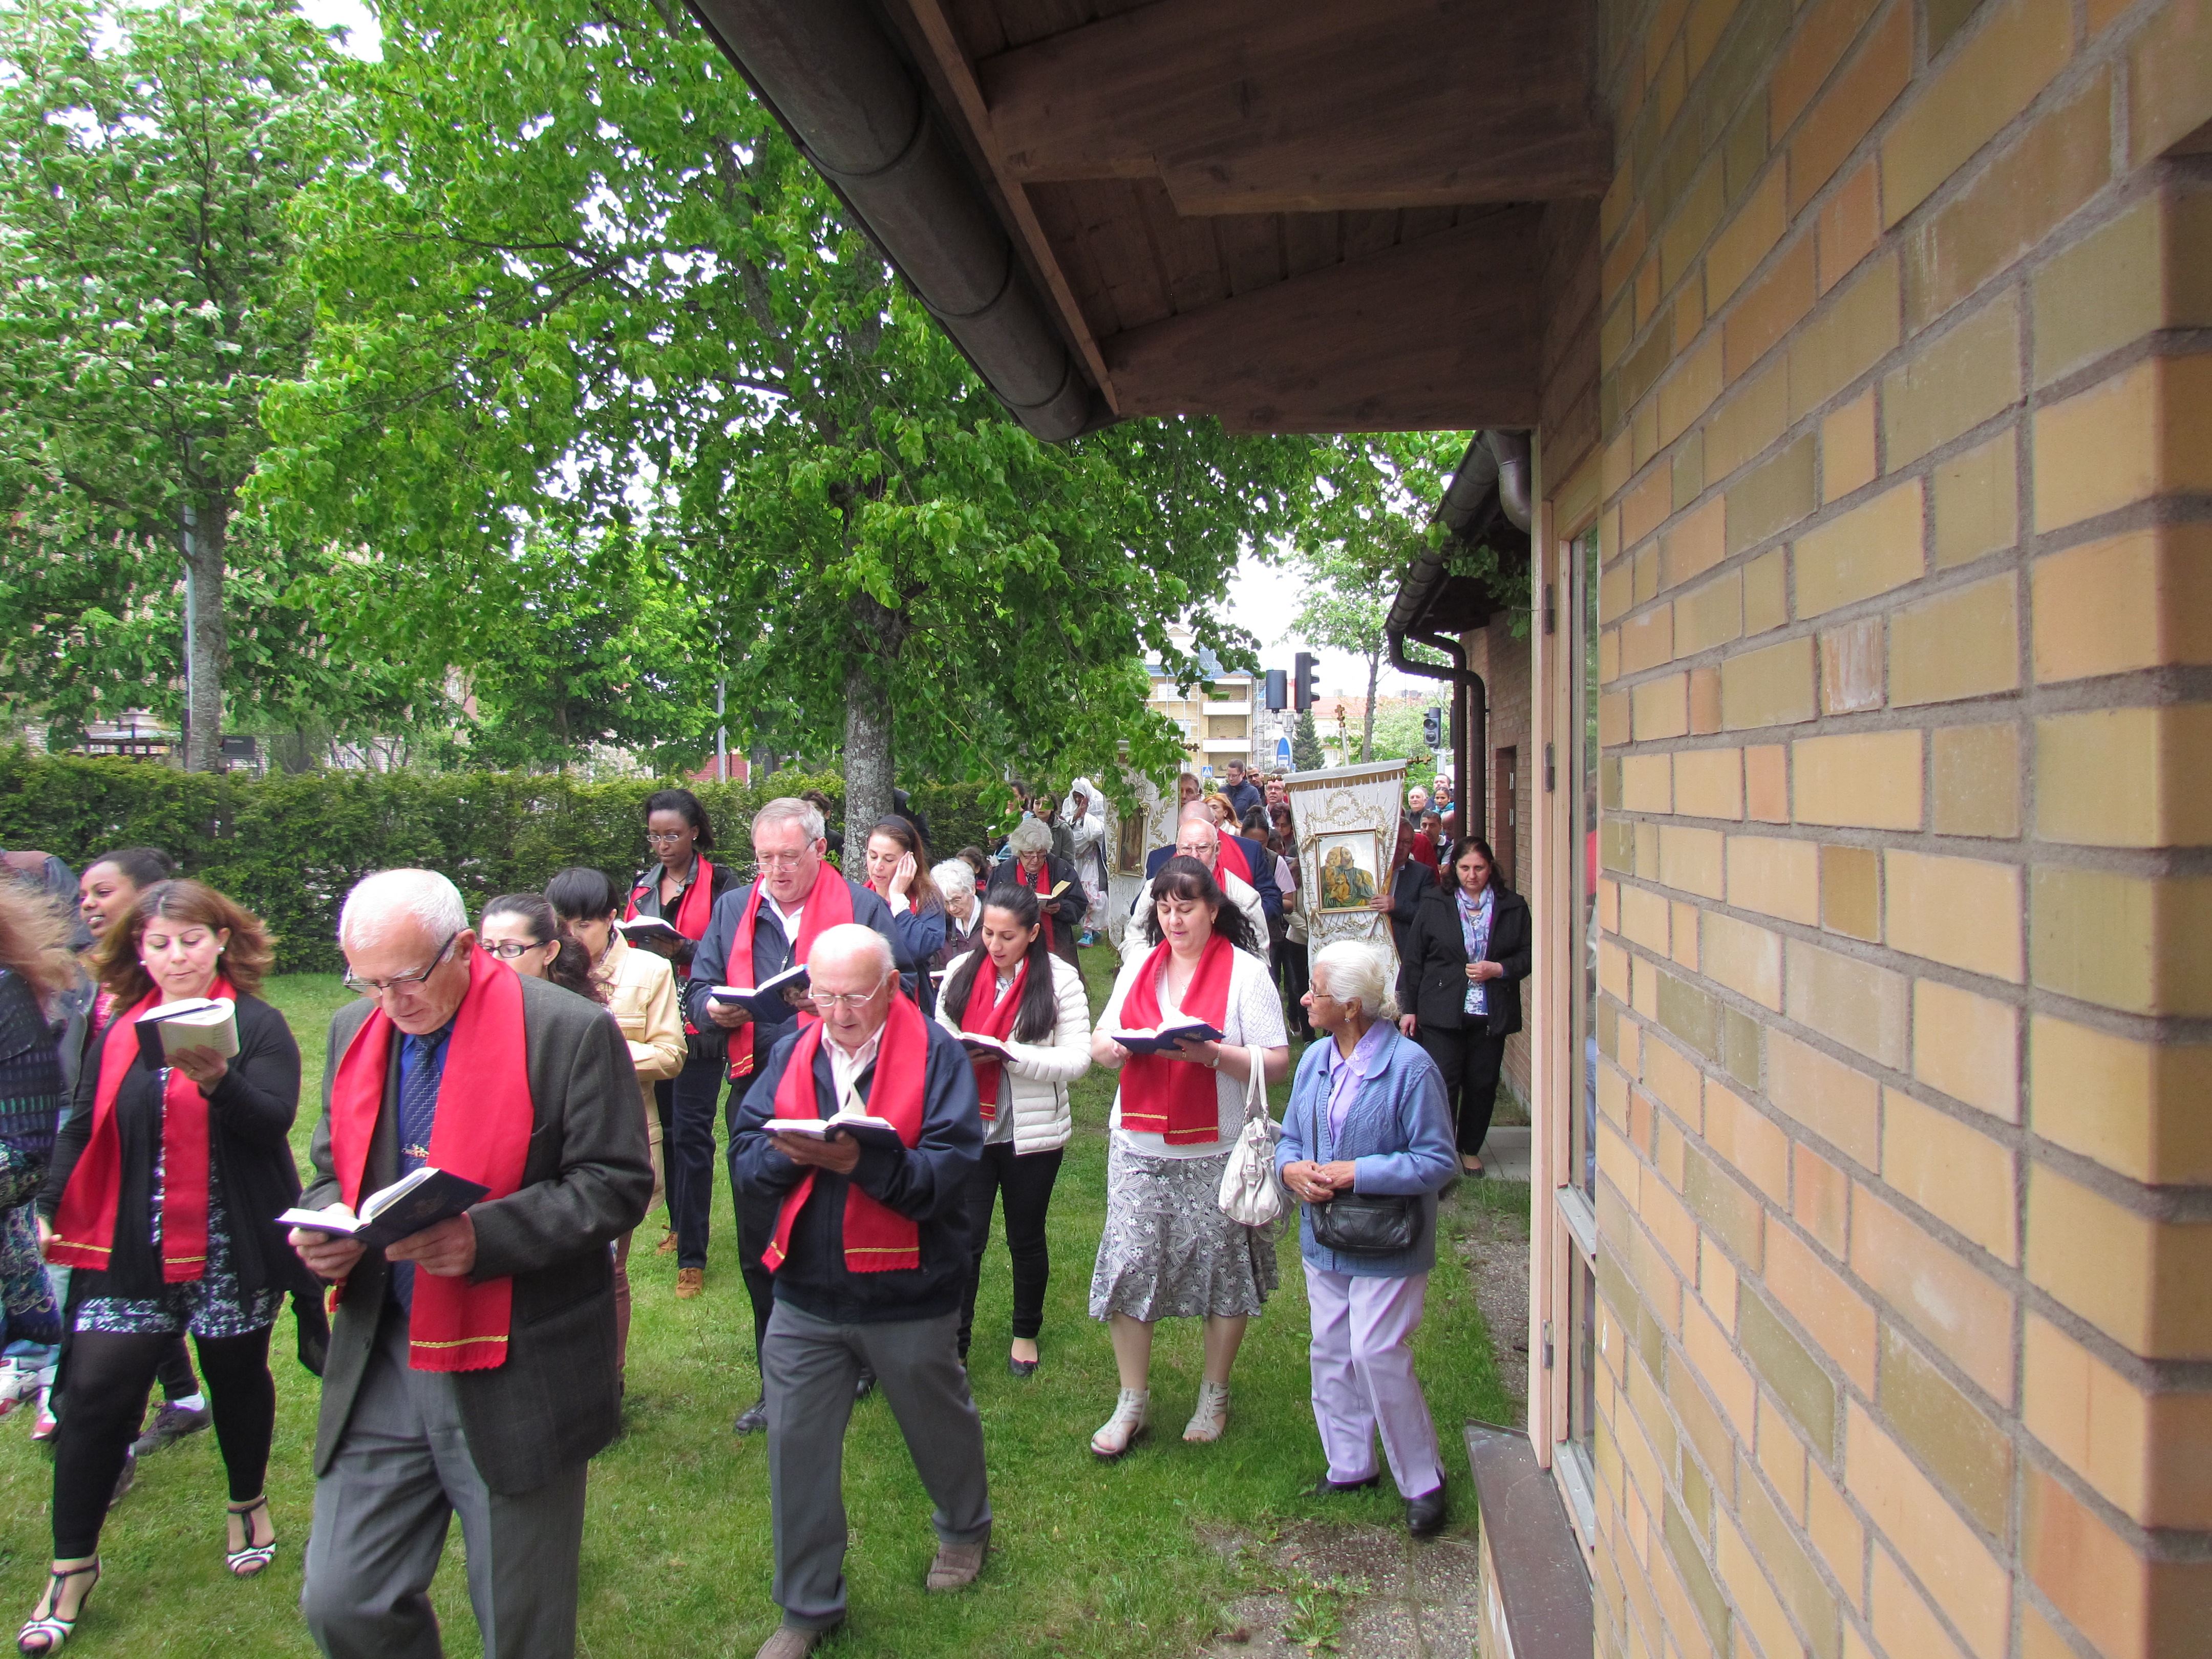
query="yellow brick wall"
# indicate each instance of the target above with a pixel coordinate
(1905, 1153)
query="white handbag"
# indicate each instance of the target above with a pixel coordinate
(1251, 1193)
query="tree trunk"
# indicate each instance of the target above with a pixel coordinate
(1367, 726)
(867, 758)
(203, 536)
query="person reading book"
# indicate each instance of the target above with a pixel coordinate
(869, 1254)
(1042, 871)
(472, 1367)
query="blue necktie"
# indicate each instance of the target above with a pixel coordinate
(418, 1113)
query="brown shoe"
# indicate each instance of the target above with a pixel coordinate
(790, 1642)
(690, 1282)
(667, 1245)
(956, 1566)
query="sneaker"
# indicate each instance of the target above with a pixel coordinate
(45, 1425)
(17, 1384)
(170, 1422)
(690, 1282)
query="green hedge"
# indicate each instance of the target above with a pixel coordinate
(288, 848)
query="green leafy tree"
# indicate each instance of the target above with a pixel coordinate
(148, 155)
(586, 285)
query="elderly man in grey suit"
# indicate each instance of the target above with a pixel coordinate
(472, 1366)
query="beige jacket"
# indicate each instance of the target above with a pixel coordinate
(1035, 1080)
(641, 996)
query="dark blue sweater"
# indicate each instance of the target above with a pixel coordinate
(710, 962)
(922, 1183)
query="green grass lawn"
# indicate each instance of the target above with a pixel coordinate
(1088, 1559)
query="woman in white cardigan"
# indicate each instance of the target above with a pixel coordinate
(1021, 1013)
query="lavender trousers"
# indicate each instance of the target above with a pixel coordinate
(1364, 1381)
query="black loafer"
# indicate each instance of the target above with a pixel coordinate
(1326, 1487)
(1425, 1516)
(751, 1420)
(865, 1387)
(1020, 1367)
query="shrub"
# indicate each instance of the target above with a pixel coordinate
(288, 848)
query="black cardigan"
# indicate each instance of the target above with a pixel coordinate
(249, 1123)
(1432, 961)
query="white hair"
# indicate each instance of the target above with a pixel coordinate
(789, 809)
(379, 901)
(953, 875)
(1356, 974)
(1030, 836)
(847, 935)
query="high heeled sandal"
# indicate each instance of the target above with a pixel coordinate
(1210, 1418)
(1131, 1416)
(244, 1564)
(47, 1635)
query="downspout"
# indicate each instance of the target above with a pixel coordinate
(1509, 453)
(1469, 783)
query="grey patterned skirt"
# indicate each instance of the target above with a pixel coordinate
(1168, 1252)
(213, 1305)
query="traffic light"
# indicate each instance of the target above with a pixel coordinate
(1278, 690)
(1433, 728)
(1305, 675)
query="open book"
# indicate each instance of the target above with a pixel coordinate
(406, 1207)
(1162, 1038)
(975, 1043)
(652, 934)
(868, 1131)
(766, 1000)
(205, 1022)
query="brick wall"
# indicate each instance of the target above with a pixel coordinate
(1905, 1190)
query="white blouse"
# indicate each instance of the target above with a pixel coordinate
(1254, 1018)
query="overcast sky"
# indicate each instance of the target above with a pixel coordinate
(366, 36)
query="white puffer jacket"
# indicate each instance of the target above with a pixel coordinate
(1036, 1074)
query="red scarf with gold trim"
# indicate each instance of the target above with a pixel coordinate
(828, 904)
(877, 1238)
(988, 1014)
(482, 1133)
(1173, 1099)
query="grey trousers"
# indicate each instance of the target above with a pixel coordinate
(808, 1368)
(401, 1472)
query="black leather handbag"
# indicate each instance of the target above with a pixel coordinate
(1365, 1224)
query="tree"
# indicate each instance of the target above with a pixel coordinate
(147, 158)
(586, 285)
(1305, 744)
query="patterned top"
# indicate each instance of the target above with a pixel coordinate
(30, 1070)
(1474, 932)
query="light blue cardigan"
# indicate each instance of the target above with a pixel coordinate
(1398, 1134)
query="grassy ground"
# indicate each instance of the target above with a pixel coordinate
(1088, 1559)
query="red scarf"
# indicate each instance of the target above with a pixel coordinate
(989, 1015)
(692, 910)
(84, 1225)
(482, 1133)
(1042, 888)
(829, 903)
(1233, 861)
(1173, 1099)
(877, 1238)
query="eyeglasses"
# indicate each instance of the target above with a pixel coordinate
(784, 860)
(828, 1000)
(509, 949)
(667, 837)
(377, 987)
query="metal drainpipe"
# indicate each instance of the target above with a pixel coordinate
(1514, 477)
(1470, 785)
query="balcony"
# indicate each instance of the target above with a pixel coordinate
(1242, 706)
(1240, 746)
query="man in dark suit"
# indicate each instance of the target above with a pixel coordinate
(757, 932)
(472, 1366)
(870, 1255)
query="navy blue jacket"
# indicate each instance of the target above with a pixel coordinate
(1243, 797)
(923, 1183)
(710, 962)
(1261, 862)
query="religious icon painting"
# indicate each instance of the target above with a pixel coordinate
(1350, 866)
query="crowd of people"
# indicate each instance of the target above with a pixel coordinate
(932, 1015)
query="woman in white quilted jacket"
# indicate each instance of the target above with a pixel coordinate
(1022, 1013)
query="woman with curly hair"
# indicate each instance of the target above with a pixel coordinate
(163, 1195)
(35, 967)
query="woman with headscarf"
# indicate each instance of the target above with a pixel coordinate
(1086, 829)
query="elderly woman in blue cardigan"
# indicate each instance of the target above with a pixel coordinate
(1367, 1121)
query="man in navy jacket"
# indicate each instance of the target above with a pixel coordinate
(830, 1321)
(1257, 859)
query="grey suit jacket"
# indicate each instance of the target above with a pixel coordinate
(585, 1181)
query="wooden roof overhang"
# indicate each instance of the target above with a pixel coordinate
(1292, 215)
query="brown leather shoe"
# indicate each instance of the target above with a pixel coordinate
(790, 1642)
(667, 1245)
(956, 1566)
(690, 1282)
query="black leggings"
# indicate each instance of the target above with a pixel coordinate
(1027, 1183)
(109, 1376)
(1470, 1060)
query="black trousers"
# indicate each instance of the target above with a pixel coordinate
(109, 1377)
(687, 1154)
(1470, 1060)
(1026, 1183)
(1291, 977)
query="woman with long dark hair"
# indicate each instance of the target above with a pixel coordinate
(1027, 1022)
(896, 875)
(163, 1193)
(680, 888)
(1168, 1251)
(1462, 960)
(524, 932)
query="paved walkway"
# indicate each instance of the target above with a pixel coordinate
(1368, 1591)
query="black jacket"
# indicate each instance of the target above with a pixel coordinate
(249, 1151)
(1432, 961)
(923, 1182)
(586, 1181)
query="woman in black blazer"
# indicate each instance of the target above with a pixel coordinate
(1463, 1003)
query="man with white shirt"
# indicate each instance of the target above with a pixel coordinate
(1196, 837)
(870, 1254)
(755, 933)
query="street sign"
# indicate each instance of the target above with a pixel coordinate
(1282, 751)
